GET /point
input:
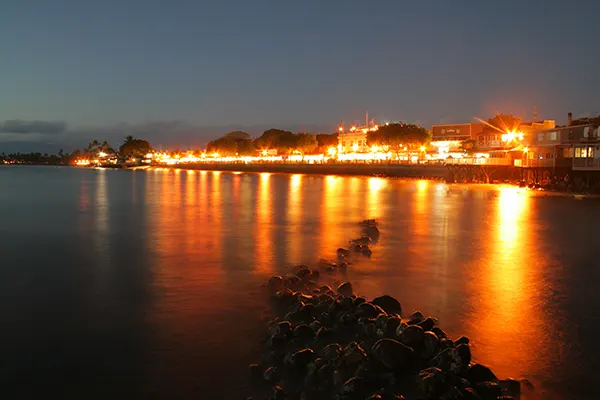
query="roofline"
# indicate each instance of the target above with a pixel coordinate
(470, 123)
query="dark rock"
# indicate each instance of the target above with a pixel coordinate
(303, 273)
(464, 352)
(451, 393)
(278, 393)
(284, 328)
(506, 398)
(366, 252)
(271, 374)
(431, 345)
(324, 333)
(427, 324)
(488, 390)
(303, 332)
(389, 304)
(446, 343)
(256, 373)
(510, 387)
(462, 340)
(275, 283)
(527, 385)
(331, 352)
(358, 301)
(345, 289)
(343, 252)
(331, 268)
(412, 335)
(431, 381)
(371, 232)
(392, 354)
(301, 358)
(392, 325)
(293, 281)
(353, 356)
(357, 248)
(315, 275)
(354, 388)
(363, 240)
(368, 310)
(343, 266)
(440, 333)
(448, 360)
(480, 373)
(416, 317)
(315, 326)
(470, 394)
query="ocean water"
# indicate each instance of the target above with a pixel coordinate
(146, 284)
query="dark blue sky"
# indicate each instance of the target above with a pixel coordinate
(183, 72)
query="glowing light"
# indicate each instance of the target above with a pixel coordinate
(375, 149)
(525, 149)
(102, 154)
(422, 148)
(341, 129)
(353, 129)
(264, 152)
(512, 136)
(331, 151)
(355, 147)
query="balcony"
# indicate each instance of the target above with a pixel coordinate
(586, 164)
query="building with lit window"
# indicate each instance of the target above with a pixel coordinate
(355, 139)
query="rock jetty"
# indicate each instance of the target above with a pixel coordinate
(330, 343)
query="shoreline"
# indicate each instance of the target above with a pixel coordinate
(432, 172)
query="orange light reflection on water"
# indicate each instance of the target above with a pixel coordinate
(294, 217)
(506, 315)
(263, 227)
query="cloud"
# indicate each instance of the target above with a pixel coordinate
(16, 126)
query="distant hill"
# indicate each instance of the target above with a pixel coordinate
(237, 135)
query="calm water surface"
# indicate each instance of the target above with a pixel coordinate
(145, 284)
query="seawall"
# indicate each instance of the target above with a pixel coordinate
(389, 170)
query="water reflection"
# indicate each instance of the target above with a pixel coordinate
(263, 226)
(476, 257)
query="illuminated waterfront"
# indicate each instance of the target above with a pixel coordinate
(146, 283)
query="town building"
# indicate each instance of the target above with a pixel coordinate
(355, 139)
(448, 138)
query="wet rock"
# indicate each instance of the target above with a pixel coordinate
(345, 289)
(293, 281)
(391, 326)
(448, 360)
(439, 332)
(303, 273)
(315, 326)
(412, 336)
(431, 381)
(364, 240)
(341, 252)
(470, 394)
(271, 375)
(303, 332)
(480, 373)
(353, 356)
(526, 384)
(488, 390)
(427, 324)
(343, 266)
(275, 283)
(366, 252)
(464, 352)
(372, 232)
(389, 304)
(278, 393)
(392, 354)
(510, 387)
(256, 373)
(357, 248)
(353, 388)
(284, 328)
(416, 317)
(331, 352)
(462, 340)
(302, 358)
(368, 310)
(431, 345)
(324, 333)
(315, 275)
(358, 301)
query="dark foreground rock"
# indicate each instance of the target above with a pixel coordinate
(331, 344)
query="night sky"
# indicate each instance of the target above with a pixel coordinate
(183, 72)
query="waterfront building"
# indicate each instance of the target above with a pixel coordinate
(448, 139)
(355, 139)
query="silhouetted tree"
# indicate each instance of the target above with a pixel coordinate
(133, 147)
(505, 122)
(306, 143)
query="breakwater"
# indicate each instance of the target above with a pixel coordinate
(388, 170)
(334, 344)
